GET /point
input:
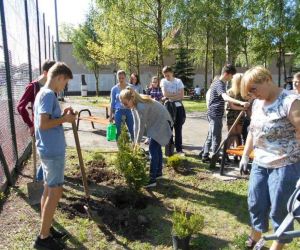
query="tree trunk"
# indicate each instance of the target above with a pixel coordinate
(206, 59)
(283, 63)
(227, 31)
(159, 37)
(227, 45)
(96, 74)
(213, 72)
(279, 65)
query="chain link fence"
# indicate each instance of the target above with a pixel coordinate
(24, 43)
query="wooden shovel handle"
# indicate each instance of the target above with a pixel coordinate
(80, 159)
(34, 158)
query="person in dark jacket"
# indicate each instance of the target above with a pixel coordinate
(28, 97)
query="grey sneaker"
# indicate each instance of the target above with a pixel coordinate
(151, 184)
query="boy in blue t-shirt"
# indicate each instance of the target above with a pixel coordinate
(51, 145)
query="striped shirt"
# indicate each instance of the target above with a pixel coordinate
(216, 101)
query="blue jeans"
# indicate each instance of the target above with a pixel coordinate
(53, 168)
(214, 135)
(268, 194)
(155, 159)
(128, 119)
(40, 173)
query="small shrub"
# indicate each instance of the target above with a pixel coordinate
(185, 224)
(131, 162)
(175, 161)
(239, 241)
(2, 196)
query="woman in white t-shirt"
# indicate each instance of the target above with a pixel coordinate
(274, 135)
(173, 91)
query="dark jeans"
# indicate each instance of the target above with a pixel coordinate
(245, 128)
(214, 135)
(155, 159)
(180, 117)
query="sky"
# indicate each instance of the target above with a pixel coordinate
(69, 11)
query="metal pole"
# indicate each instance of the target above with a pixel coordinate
(53, 48)
(45, 41)
(8, 80)
(28, 41)
(57, 37)
(38, 30)
(5, 168)
(49, 42)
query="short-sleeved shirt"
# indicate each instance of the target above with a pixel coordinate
(114, 98)
(138, 88)
(274, 136)
(216, 102)
(50, 142)
(173, 86)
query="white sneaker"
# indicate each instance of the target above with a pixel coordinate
(181, 153)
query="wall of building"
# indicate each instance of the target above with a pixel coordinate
(107, 77)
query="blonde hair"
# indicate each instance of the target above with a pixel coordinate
(236, 84)
(255, 75)
(130, 94)
(297, 75)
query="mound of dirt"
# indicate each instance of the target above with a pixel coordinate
(97, 172)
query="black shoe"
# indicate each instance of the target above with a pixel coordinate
(201, 154)
(48, 243)
(57, 234)
(205, 159)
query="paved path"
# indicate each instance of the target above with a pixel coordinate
(194, 131)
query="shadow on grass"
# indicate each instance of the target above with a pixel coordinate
(136, 218)
(228, 201)
(204, 242)
(76, 244)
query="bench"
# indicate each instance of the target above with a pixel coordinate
(238, 151)
(91, 118)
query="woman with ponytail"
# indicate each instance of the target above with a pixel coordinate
(150, 114)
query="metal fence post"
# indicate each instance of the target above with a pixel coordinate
(49, 43)
(5, 168)
(8, 80)
(45, 41)
(28, 40)
(53, 56)
(38, 30)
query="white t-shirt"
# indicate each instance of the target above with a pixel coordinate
(173, 86)
(274, 136)
(207, 97)
(197, 91)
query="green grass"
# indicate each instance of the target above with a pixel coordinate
(190, 105)
(195, 105)
(91, 101)
(222, 203)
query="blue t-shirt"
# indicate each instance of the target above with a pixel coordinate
(216, 101)
(114, 98)
(50, 142)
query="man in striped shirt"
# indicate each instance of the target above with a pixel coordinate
(215, 111)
